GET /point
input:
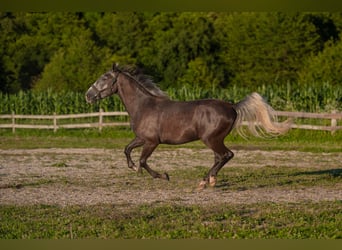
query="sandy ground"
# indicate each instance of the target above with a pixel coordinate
(99, 176)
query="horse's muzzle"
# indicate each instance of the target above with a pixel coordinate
(90, 96)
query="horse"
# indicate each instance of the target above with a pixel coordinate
(156, 119)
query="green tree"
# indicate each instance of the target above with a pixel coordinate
(75, 67)
(177, 39)
(199, 74)
(326, 66)
(62, 50)
(122, 32)
(28, 42)
(12, 27)
(259, 48)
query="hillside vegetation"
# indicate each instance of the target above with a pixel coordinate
(49, 60)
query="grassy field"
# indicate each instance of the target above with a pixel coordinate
(266, 220)
(287, 217)
(302, 140)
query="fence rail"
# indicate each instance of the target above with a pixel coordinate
(334, 117)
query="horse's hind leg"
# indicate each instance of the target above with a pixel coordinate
(221, 161)
(222, 156)
(146, 152)
(137, 142)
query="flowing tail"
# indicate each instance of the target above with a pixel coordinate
(259, 116)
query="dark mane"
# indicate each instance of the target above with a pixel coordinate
(143, 80)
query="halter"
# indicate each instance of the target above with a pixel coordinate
(99, 92)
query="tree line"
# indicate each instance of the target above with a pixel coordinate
(62, 51)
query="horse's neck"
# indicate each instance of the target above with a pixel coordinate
(132, 96)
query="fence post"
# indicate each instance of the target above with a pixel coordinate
(333, 123)
(54, 122)
(100, 119)
(13, 122)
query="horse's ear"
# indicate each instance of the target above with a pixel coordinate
(115, 66)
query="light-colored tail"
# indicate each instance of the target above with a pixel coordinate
(260, 117)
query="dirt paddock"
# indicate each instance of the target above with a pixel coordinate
(100, 176)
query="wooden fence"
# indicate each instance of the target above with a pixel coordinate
(55, 119)
(334, 117)
(55, 125)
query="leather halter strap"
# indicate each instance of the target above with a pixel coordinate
(99, 92)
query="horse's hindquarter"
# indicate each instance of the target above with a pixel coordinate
(216, 119)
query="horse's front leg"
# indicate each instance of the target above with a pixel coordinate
(146, 152)
(137, 142)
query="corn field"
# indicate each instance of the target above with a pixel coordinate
(315, 97)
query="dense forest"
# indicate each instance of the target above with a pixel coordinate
(48, 60)
(68, 51)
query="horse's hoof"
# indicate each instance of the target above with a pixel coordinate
(139, 170)
(133, 167)
(212, 181)
(165, 176)
(202, 185)
(136, 169)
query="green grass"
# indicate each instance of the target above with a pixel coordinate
(301, 140)
(249, 178)
(266, 220)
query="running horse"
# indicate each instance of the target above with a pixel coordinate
(155, 119)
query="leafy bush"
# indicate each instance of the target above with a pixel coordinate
(325, 67)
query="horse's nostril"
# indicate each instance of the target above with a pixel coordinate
(88, 97)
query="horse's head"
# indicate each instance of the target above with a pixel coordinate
(104, 86)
